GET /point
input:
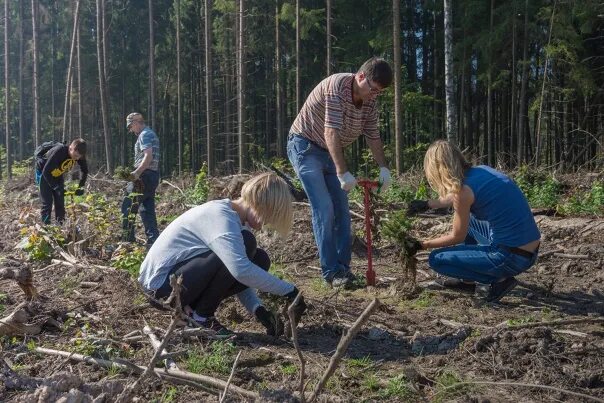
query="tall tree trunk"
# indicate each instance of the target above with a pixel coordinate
(103, 86)
(209, 100)
(178, 94)
(36, 111)
(297, 56)
(79, 71)
(522, 112)
(490, 134)
(411, 42)
(545, 67)
(513, 132)
(396, 41)
(241, 87)
(76, 17)
(436, 86)
(151, 66)
(278, 89)
(328, 36)
(21, 152)
(449, 85)
(53, 34)
(105, 53)
(8, 145)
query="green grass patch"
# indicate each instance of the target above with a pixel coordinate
(288, 369)
(398, 387)
(280, 270)
(3, 300)
(218, 358)
(449, 386)
(370, 383)
(68, 284)
(520, 321)
(424, 300)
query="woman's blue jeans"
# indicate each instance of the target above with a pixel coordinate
(478, 259)
(328, 202)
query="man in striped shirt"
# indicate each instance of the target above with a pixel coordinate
(338, 110)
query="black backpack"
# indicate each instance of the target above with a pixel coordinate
(42, 149)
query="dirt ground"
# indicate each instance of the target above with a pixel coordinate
(544, 342)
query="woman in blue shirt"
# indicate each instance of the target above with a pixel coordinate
(494, 235)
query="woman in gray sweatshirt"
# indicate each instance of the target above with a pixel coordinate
(217, 257)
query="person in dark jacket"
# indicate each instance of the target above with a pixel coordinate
(51, 166)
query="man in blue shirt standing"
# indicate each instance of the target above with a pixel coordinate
(140, 192)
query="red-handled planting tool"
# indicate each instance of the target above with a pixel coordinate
(367, 187)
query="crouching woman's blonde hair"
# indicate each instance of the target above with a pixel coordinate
(271, 199)
(445, 167)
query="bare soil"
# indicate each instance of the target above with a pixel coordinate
(421, 345)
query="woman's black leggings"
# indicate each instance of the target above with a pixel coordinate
(207, 281)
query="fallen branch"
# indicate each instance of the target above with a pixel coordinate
(343, 346)
(132, 389)
(560, 322)
(167, 374)
(24, 278)
(294, 326)
(526, 385)
(16, 324)
(226, 388)
(174, 186)
(168, 362)
(569, 256)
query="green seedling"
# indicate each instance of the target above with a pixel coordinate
(396, 229)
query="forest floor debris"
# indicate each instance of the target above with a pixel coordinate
(543, 342)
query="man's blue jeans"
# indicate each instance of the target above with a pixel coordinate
(143, 204)
(478, 259)
(328, 202)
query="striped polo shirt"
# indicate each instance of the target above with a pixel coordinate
(330, 104)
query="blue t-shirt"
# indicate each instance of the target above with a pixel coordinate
(500, 202)
(146, 139)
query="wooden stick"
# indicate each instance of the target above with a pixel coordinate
(167, 374)
(226, 388)
(569, 256)
(526, 385)
(131, 390)
(294, 326)
(343, 346)
(168, 362)
(560, 322)
(174, 186)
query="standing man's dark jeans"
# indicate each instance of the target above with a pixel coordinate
(143, 204)
(48, 196)
(206, 280)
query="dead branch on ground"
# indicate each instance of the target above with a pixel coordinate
(294, 326)
(172, 375)
(226, 388)
(343, 346)
(16, 324)
(132, 389)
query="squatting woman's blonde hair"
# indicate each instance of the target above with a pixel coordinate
(445, 167)
(271, 199)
